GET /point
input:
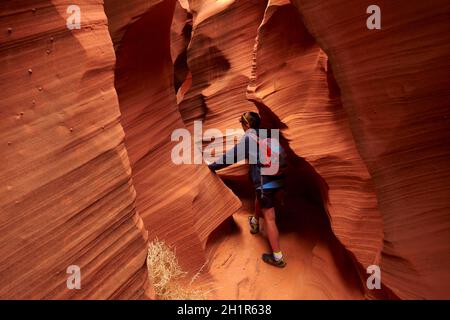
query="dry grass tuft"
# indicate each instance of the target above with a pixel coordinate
(168, 280)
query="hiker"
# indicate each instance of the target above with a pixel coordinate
(268, 187)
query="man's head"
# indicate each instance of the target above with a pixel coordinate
(250, 120)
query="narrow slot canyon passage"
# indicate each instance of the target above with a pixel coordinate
(99, 98)
(318, 266)
(176, 64)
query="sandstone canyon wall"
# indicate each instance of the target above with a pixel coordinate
(70, 178)
(292, 85)
(180, 204)
(87, 116)
(66, 194)
(395, 91)
(348, 120)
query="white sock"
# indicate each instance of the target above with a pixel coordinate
(278, 256)
(254, 220)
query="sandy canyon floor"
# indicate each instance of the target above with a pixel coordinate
(317, 266)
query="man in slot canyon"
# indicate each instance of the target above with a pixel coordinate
(262, 153)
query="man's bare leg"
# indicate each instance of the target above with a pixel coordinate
(271, 228)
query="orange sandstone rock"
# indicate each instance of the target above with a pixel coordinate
(66, 198)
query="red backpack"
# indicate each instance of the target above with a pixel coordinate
(270, 150)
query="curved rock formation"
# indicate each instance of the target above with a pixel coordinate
(394, 88)
(86, 123)
(293, 88)
(219, 58)
(67, 196)
(180, 204)
(293, 79)
(324, 120)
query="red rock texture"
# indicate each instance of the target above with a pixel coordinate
(293, 82)
(87, 115)
(70, 188)
(394, 89)
(376, 137)
(294, 89)
(66, 194)
(219, 58)
(180, 204)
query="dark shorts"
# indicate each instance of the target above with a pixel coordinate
(269, 197)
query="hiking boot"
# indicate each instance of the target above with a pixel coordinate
(254, 227)
(269, 259)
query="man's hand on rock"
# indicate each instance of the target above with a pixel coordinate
(209, 164)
